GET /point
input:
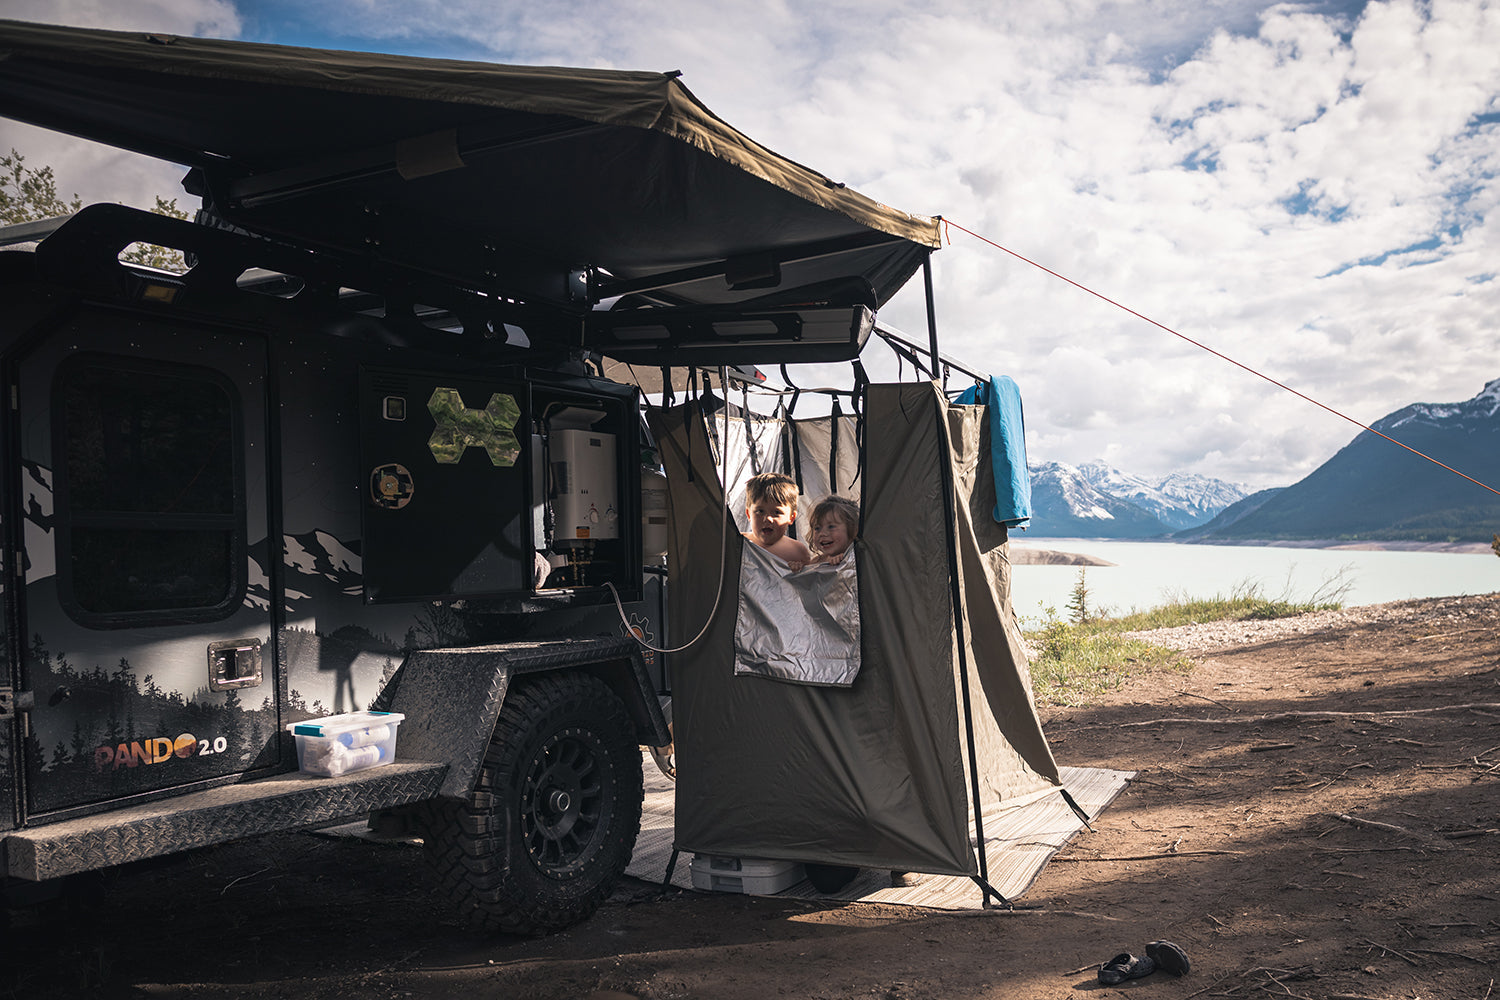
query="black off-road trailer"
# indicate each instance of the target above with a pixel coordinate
(362, 454)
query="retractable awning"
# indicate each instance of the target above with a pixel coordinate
(561, 186)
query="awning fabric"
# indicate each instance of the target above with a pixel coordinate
(505, 178)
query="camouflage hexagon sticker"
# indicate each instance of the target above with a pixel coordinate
(459, 428)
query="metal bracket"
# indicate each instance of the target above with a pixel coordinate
(234, 663)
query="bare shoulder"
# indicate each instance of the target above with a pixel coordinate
(793, 550)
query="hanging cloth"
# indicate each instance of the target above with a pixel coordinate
(1007, 447)
(800, 626)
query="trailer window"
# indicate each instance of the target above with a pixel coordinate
(150, 493)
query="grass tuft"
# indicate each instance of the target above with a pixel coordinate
(1074, 662)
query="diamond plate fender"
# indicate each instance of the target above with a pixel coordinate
(452, 697)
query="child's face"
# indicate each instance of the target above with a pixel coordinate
(830, 536)
(769, 521)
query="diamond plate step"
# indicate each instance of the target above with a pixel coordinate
(213, 816)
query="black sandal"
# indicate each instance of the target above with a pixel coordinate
(1169, 957)
(1125, 966)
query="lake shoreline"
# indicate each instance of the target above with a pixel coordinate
(1146, 574)
(1465, 548)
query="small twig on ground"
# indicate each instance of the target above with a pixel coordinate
(1017, 911)
(1189, 694)
(242, 878)
(1285, 972)
(1370, 717)
(1273, 746)
(1154, 784)
(1388, 827)
(1214, 985)
(1444, 635)
(1452, 954)
(1217, 920)
(1387, 948)
(1462, 834)
(1145, 857)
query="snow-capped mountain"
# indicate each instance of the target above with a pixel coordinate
(1178, 500)
(1376, 490)
(1477, 414)
(1097, 501)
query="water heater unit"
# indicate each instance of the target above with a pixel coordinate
(587, 504)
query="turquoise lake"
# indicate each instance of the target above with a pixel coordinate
(1150, 573)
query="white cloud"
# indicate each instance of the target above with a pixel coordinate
(209, 18)
(1307, 187)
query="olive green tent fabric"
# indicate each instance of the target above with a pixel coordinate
(873, 775)
(1009, 734)
(505, 177)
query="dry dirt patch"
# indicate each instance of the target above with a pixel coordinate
(1315, 815)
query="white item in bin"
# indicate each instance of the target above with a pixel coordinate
(339, 744)
(342, 759)
(366, 736)
(752, 876)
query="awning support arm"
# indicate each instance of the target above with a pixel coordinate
(932, 343)
(343, 168)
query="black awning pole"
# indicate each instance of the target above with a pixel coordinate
(932, 345)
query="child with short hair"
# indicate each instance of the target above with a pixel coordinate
(771, 508)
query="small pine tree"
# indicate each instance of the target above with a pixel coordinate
(1078, 601)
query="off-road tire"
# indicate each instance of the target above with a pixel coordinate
(546, 835)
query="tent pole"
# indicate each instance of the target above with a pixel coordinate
(932, 344)
(949, 498)
(666, 882)
(988, 890)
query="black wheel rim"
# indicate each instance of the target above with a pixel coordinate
(565, 802)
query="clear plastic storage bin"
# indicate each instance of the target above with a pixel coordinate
(339, 744)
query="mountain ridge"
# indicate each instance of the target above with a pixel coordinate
(1370, 491)
(1375, 490)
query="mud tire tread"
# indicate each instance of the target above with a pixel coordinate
(474, 846)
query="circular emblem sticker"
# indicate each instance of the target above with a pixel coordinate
(391, 486)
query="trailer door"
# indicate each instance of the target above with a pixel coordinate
(146, 609)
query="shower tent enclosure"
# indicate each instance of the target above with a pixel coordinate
(895, 770)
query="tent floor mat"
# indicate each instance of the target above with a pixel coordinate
(1020, 839)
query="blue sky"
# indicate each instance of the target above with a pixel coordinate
(1309, 188)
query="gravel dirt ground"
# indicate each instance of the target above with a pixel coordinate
(1316, 815)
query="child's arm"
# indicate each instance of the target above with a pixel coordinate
(799, 554)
